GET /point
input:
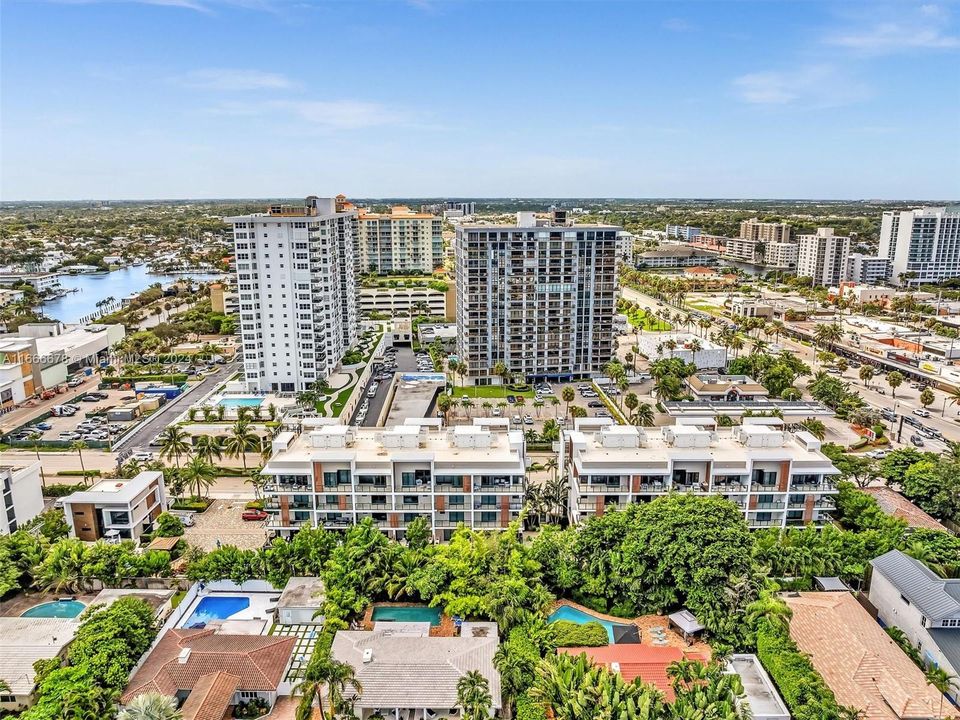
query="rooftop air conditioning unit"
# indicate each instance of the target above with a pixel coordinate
(368, 655)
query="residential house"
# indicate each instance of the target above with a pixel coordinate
(121, 509)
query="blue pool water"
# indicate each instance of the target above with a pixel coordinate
(56, 609)
(567, 612)
(241, 402)
(420, 613)
(216, 608)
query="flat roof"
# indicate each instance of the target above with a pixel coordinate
(412, 397)
(115, 490)
(760, 692)
(302, 592)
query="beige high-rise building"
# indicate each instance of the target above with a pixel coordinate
(400, 241)
(756, 230)
(823, 257)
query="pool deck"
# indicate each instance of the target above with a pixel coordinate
(446, 628)
(644, 623)
(259, 610)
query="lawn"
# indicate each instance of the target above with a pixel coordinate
(647, 321)
(488, 391)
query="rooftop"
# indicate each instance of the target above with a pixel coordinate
(419, 672)
(634, 661)
(210, 697)
(26, 640)
(896, 505)
(302, 592)
(117, 490)
(710, 383)
(932, 595)
(863, 666)
(760, 692)
(183, 657)
(397, 212)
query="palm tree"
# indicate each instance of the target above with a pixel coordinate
(501, 371)
(941, 680)
(568, 394)
(151, 706)
(173, 443)
(894, 380)
(207, 447)
(336, 675)
(770, 608)
(644, 415)
(240, 440)
(200, 473)
(340, 678)
(80, 446)
(815, 427)
(866, 375)
(473, 696)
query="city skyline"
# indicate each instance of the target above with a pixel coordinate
(186, 99)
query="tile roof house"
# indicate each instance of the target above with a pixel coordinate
(926, 607)
(896, 505)
(185, 662)
(409, 675)
(860, 663)
(634, 661)
(26, 640)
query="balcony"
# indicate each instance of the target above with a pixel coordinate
(383, 506)
(489, 525)
(729, 487)
(603, 489)
(772, 505)
(502, 488)
(377, 488)
(764, 523)
(823, 486)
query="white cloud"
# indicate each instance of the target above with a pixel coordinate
(813, 85)
(232, 79)
(344, 114)
(921, 29)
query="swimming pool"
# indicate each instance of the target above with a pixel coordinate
(240, 401)
(216, 608)
(568, 612)
(417, 613)
(56, 609)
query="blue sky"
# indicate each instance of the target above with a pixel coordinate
(257, 98)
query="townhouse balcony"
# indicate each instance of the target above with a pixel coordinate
(323, 505)
(729, 487)
(374, 487)
(654, 487)
(772, 505)
(825, 503)
(275, 523)
(335, 522)
(514, 505)
(287, 487)
(382, 506)
(602, 488)
(490, 525)
(425, 503)
(501, 488)
(764, 523)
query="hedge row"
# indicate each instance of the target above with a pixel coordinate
(803, 689)
(57, 490)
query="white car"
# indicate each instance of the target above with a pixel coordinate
(142, 456)
(921, 413)
(876, 454)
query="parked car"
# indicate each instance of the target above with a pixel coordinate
(68, 436)
(511, 399)
(920, 412)
(516, 420)
(876, 454)
(496, 412)
(595, 404)
(89, 398)
(916, 440)
(43, 426)
(888, 415)
(185, 518)
(254, 515)
(142, 456)
(528, 420)
(74, 382)
(911, 421)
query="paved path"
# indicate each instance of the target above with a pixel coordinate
(221, 521)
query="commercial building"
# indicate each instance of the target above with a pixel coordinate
(684, 232)
(777, 478)
(725, 388)
(464, 208)
(116, 508)
(861, 294)
(863, 667)
(823, 257)
(670, 256)
(22, 494)
(296, 273)
(538, 298)
(704, 353)
(767, 232)
(406, 674)
(867, 269)
(926, 607)
(750, 308)
(923, 245)
(763, 252)
(400, 241)
(335, 475)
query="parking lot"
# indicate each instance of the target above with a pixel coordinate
(85, 423)
(399, 359)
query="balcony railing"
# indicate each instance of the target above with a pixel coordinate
(505, 488)
(377, 488)
(373, 506)
(823, 486)
(774, 505)
(764, 523)
(600, 489)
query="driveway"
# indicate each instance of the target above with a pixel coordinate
(221, 521)
(406, 362)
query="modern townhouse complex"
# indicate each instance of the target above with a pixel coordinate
(768, 232)
(923, 245)
(774, 253)
(400, 241)
(777, 478)
(866, 269)
(332, 476)
(823, 257)
(539, 298)
(296, 277)
(22, 496)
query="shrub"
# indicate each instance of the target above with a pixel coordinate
(57, 490)
(571, 634)
(78, 473)
(168, 525)
(528, 709)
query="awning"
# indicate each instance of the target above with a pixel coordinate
(687, 622)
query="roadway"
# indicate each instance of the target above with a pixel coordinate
(406, 362)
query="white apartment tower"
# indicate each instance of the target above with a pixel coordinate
(296, 277)
(923, 245)
(823, 257)
(538, 297)
(400, 241)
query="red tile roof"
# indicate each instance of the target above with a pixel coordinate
(638, 661)
(896, 505)
(258, 661)
(210, 697)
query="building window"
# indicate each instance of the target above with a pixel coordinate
(903, 597)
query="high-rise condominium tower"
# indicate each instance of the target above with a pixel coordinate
(765, 231)
(400, 241)
(296, 276)
(923, 245)
(538, 298)
(823, 257)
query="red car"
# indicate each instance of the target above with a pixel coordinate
(254, 515)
